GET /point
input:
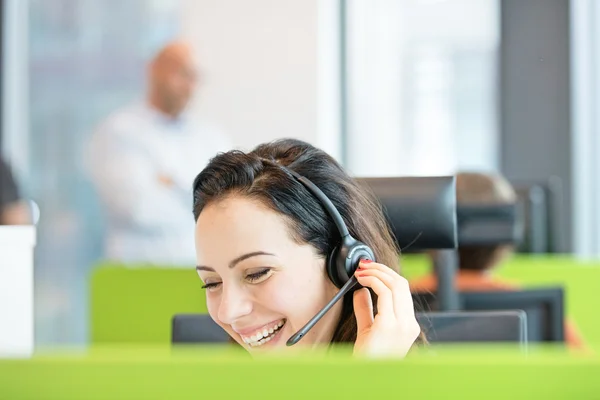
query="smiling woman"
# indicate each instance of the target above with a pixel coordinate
(264, 243)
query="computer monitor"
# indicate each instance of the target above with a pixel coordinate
(544, 308)
(474, 326)
(196, 328)
(543, 206)
(446, 327)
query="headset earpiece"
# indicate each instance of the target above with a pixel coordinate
(344, 259)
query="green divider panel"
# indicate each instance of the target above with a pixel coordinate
(136, 304)
(414, 265)
(128, 374)
(581, 280)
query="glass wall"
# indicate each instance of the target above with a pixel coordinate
(85, 58)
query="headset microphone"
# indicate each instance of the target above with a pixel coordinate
(342, 262)
(300, 334)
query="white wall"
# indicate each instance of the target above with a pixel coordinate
(263, 61)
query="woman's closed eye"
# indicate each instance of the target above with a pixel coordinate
(210, 286)
(259, 276)
(255, 277)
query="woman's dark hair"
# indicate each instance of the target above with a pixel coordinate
(258, 175)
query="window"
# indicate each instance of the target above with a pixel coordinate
(422, 86)
(85, 58)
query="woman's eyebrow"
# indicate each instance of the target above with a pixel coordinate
(236, 261)
(243, 257)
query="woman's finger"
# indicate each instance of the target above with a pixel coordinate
(395, 285)
(374, 265)
(385, 301)
(403, 302)
(363, 309)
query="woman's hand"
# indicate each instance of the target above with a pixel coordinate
(394, 329)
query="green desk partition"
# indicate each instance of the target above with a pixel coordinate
(136, 304)
(580, 279)
(148, 374)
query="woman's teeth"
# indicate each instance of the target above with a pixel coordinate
(263, 336)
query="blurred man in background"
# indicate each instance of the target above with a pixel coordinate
(13, 210)
(143, 160)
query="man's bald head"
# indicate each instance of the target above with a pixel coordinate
(173, 78)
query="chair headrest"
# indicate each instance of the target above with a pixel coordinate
(489, 224)
(420, 210)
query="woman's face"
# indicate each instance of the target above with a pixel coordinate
(261, 286)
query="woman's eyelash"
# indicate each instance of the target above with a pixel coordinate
(257, 275)
(251, 277)
(211, 285)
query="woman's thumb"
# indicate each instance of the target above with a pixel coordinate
(363, 309)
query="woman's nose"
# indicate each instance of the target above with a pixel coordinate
(235, 303)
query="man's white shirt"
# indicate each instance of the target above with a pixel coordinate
(149, 221)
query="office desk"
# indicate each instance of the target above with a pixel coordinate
(17, 245)
(160, 373)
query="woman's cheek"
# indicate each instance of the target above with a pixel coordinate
(212, 305)
(279, 297)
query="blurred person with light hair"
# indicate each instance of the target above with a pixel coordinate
(143, 159)
(13, 209)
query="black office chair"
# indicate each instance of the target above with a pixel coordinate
(421, 211)
(447, 327)
(493, 224)
(544, 308)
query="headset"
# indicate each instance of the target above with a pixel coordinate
(342, 262)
